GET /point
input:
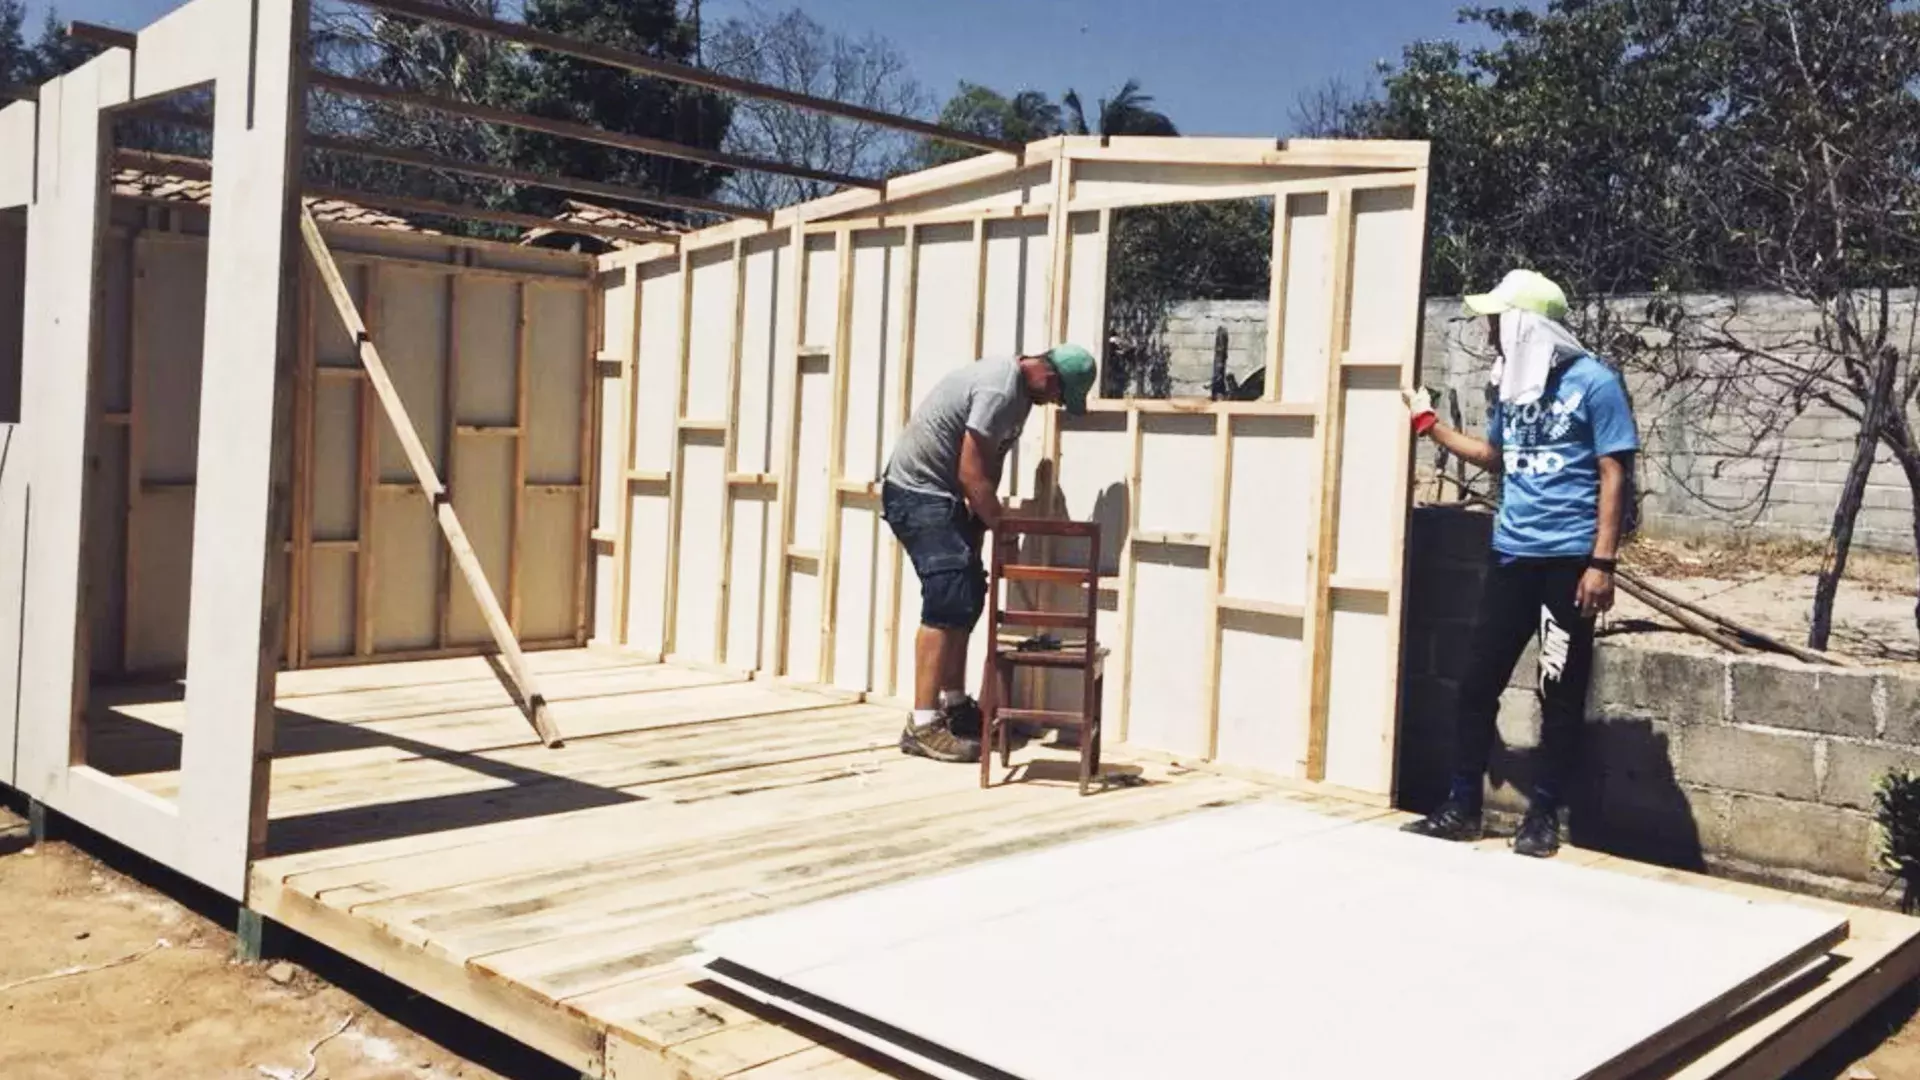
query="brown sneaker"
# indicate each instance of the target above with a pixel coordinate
(938, 742)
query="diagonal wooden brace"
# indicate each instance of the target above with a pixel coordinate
(531, 701)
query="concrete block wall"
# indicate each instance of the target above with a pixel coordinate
(1756, 767)
(1699, 473)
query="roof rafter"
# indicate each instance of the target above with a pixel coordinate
(567, 129)
(642, 64)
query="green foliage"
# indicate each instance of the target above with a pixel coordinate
(1030, 115)
(13, 44)
(51, 55)
(1896, 806)
(588, 93)
(1159, 256)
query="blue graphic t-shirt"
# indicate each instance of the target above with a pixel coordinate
(1551, 451)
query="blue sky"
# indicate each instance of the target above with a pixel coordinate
(1218, 67)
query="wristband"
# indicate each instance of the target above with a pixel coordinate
(1424, 422)
(1606, 565)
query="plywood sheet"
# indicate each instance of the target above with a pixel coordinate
(548, 555)
(1019, 257)
(483, 497)
(1370, 466)
(822, 312)
(856, 610)
(1360, 698)
(943, 318)
(1386, 257)
(488, 342)
(1177, 464)
(711, 348)
(410, 330)
(106, 540)
(803, 627)
(810, 479)
(556, 384)
(754, 523)
(336, 458)
(1262, 663)
(1274, 469)
(657, 378)
(330, 611)
(406, 574)
(172, 298)
(1217, 915)
(163, 563)
(1171, 623)
(874, 344)
(1305, 295)
(763, 331)
(647, 570)
(1094, 451)
(1087, 285)
(702, 501)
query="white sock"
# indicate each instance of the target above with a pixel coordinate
(925, 718)
(950, 698)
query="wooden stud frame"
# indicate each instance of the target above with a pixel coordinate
(1255, 540)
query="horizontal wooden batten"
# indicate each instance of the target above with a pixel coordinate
(1270, 608)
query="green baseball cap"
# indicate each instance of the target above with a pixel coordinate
(1075, 367)
(1521, 290)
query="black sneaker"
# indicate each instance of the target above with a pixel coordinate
(963, 719)
(1452, 821)
(1539, 834)
(936, 741)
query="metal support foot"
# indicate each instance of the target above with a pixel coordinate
(250, 936)
(37, 823)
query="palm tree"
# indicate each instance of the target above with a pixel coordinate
(1128, 112)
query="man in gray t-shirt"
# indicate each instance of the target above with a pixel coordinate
(939, 494)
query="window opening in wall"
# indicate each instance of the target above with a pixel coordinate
(1187, 300)
(143, 450)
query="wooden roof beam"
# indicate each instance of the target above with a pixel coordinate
(406, 204)
(151, 161)
(522, 34)
(565, 129)
(576, 185)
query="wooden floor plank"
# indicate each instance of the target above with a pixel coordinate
(409, 786)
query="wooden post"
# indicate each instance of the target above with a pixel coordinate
(429, 482)
(299, 569)
(1277, 294)
(136, 433)
(1129, 566)
(836, 451)
(521, 383)
(363, 561)
(589, 429)
(1317, 630)
(730, 451)
(623, 475)
(1217, 573)
(449, 444)
(902, 409)
(677, 481)
(790, 447)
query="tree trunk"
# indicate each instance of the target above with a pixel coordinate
(1910, 464)
(1840, 540)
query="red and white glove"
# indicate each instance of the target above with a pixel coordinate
(1420, 405)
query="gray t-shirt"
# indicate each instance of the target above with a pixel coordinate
(989, 397)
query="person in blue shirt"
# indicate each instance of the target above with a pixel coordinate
(1561, 436)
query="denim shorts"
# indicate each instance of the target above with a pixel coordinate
(942, 538)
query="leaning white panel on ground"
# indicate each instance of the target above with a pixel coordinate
(1271, 941)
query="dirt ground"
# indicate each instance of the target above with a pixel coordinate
(1769, 587)
(102, 976)
(161, 994)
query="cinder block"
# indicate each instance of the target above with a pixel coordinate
(1677, 687)
(1801, 835)
(1738, 759)
(1854, 771)
(1903, 708)
(1788, 694)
